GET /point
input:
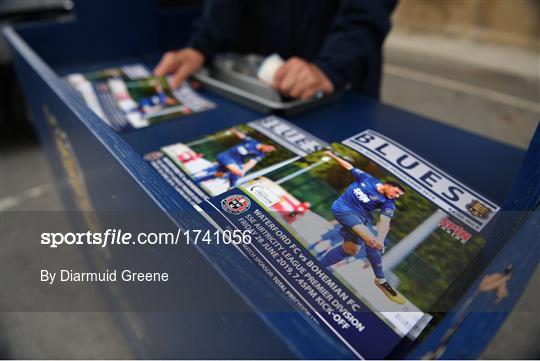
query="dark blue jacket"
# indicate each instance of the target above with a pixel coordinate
(343, 38)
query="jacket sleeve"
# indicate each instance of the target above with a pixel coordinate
(217, 27)
(357, 32)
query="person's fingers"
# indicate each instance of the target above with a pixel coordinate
(281, 74)
(283, 70)
(290, 79)
(287, 83)
(303, 81)
(181, 74)
(168, 64)
(297, 90)
(278, 76)
(307, 85)
(326, 87)
(195, 84)
(186, 67)
(308, 93)
(376, 245)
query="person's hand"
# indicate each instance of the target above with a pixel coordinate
(380, 246)
(298, 78)
(502, 293)
(181, 63)
(372, 243)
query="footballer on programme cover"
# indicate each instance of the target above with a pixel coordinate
(215, 163)
(394, 243)
(129, 97)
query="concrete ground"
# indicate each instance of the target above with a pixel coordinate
(484, 89)
(26, 185)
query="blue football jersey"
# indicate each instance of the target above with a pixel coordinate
(244, 151)
(158, 99)
(363, 197)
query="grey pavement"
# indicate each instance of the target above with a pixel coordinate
(26, 184)
(494, 101)
(485, 89)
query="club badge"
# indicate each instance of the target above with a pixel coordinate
(236, 204)
(479, 209)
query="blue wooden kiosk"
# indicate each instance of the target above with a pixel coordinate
(253, 319)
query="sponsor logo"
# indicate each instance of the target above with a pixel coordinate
(361, 196)
(456, 231)
(263, 194)
(236, 204)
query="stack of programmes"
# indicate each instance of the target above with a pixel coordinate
(364, 236)
(129, 97)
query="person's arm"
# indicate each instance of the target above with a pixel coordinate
(341, 162)
(382, 230)
(493, 282)
(502, 293)
(358, 30)
(217, 27)
(211, 33)
(253, 161)
(238, 134)
(249, 165)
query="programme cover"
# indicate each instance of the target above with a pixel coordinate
(366, 236)
(211, 165)
(129, 97)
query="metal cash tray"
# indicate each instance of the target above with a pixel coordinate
(233, 76)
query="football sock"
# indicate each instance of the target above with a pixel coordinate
(333, 256)
(233, 179)
(205, 177)
(375, 258)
